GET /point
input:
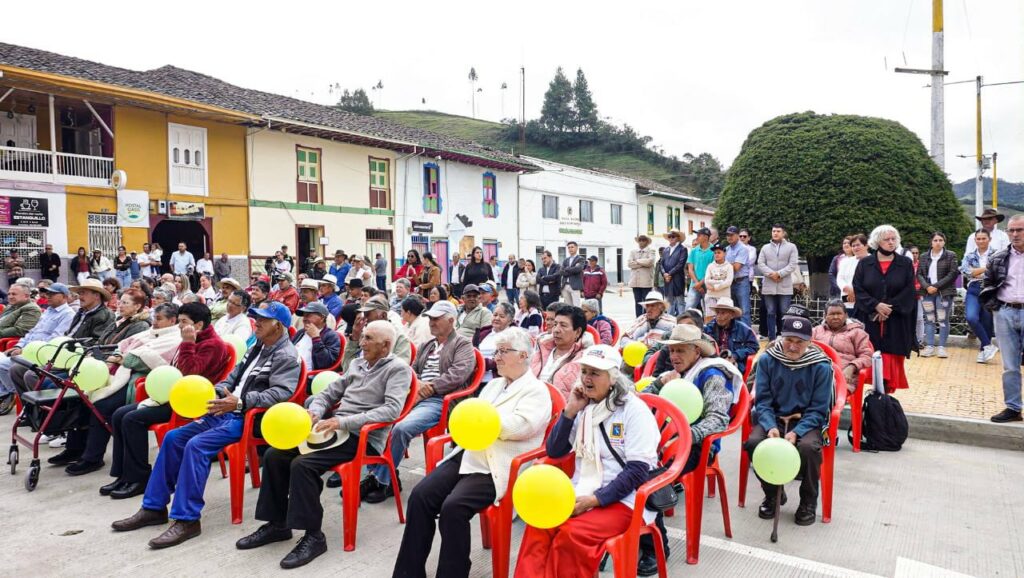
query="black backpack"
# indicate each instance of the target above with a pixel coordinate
(884, 427)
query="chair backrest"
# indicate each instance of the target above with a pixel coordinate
(412, 352)
(674, 445)
(337, 362)
(291, 332)
(837, 363)
(595, 334)
(232, 362)
(252, 323)
(616, 332)
(649, 366)
(299, 396)
(557, 405)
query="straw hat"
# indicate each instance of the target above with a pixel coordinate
(92, 285)
(689, 335)
(727, 304)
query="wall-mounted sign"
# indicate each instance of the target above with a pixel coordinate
(422, 227)
(133, 209)
(24, 212)
(185, 210)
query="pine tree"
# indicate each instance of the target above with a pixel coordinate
(472, 83)
(357, 102)
(557, 112)
(586, 110)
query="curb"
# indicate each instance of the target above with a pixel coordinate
(957, 430)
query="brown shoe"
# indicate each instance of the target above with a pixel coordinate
(180, 531)
(141, 519)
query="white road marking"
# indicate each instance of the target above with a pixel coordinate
(907, 568)
(819, 568)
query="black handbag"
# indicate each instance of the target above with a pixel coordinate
(664, 498)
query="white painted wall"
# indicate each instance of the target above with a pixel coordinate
(461, 194)
(571, 185)
(57, 231)
(661, 206)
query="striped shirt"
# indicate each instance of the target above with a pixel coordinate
(432, 369)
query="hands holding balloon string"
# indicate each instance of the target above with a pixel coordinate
(789, 437)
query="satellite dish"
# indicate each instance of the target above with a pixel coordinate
(119, 179)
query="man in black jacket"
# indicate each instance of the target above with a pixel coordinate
(49, 264)
(507, 280)
(549, 280)
(572, 275)
(1003, 293)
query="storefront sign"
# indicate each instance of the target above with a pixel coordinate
(422, 227)
(24, 212)
(569, 223)
(186, 211)
(133, 209)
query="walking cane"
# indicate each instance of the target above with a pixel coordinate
(778, 490)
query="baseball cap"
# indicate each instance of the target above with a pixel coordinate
(314, 307)
(486, 288)
(377, 302)
(718, 247)
(704, 231)
(287, 275)
(273, 310)
(57, 288)
(603, 357)
(471, 288)
(732, 230)
(592, 258)
(799, 327)
(441, 308)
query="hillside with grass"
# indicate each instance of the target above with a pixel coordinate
(493, 134)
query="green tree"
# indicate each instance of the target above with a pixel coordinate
(827, 176)
(586, 110)
(707, 176)
(557, 113)
(357, 102)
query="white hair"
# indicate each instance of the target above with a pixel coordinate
(516, 338)
(386, 328)
(26, 281)
(404, 282)
(879, 232)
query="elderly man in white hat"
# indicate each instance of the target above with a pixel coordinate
(234, 321)
(653, 325)
(360, 271)
(736, 340)
(309, 291)
(218, 306)
(329, 294)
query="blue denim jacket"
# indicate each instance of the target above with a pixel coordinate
(972, 260)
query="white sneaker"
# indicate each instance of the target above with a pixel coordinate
(987, 353)
(45, 439)
(942, 353)
(58, 442)
(928, 351)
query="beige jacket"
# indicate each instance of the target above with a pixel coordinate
(525, 410)
(641, 264)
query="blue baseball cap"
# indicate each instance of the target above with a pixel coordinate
(57, 288)
(273, 310)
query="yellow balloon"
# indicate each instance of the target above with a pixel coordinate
(474, 424)
(633, 353)
(643, 383)
(190, 395)
(544, 496)
(286, 425)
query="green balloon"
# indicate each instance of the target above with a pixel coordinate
(776, 461)
(159, 382)
(92, 374)
(322, 380)
(238, 344)
(31, 352)
(686, 397)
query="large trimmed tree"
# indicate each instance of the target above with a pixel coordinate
(828, 176)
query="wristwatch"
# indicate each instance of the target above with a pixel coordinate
(238, 406)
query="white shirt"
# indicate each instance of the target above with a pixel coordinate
(209, 294)
(453, 274)
(180, 262)
(205, 266)
(844, 278)
(933, 268)
(1000, 241)
(146, 262)
(487, 348)
(283, 266)
(305, 349)
(548, 371)
(510, 278)
(238, 325)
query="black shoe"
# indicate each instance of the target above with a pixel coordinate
(129, 490)
(65, 457)
(334, 481)
(83, 467)
(767, 509)
(309, 547)
(6, 404)
(648, 564)
(381, 492)
(1005, 416)
(105, 490)
(266, 534)
(604, 562)
(806, 514)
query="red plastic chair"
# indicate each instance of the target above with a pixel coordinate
(694, 481)
(245, 448)
(454, 397)
(349, 472)
(412, 352)
(8, 342)
(675, 446)
(337, 362)
(616, 333)
(291, 332)
(647, 369)
(856, 400)
(828, 444)
(595, 334)
(496, 521)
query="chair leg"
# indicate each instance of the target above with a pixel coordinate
(349, 505)
(659, 552)
(623, 564)
(254, 465)
(398, 491)
(725, 503)
(485, 531)
(826, 483)
(744, 472)
(694, 511)
(856, 417)
(711, 486)
(236, 465)
(501, 542)
(223, 465)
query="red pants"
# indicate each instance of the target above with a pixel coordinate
(572, 549)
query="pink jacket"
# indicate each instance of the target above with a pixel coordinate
(567, 375)
(851, 342)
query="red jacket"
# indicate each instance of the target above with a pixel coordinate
(207, 357)
(289, 296)
(595, 281)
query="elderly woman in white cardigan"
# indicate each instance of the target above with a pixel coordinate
(469, 481)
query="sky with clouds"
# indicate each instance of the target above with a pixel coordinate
(695, 75)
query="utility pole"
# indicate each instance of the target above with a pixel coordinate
(979, 178)
(522, 110)
(995, 182)
(938, 121)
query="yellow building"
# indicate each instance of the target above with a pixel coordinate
(68, 125)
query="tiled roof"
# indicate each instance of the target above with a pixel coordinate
(645, 183)
(204, 89)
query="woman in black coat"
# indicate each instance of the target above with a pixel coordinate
(477, 271)
(886, 303)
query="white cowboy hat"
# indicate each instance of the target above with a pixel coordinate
(92, 285)
(685, 334)
(726, 303)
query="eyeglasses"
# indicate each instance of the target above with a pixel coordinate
(1015, 230)
(744, 236)
(503, 352)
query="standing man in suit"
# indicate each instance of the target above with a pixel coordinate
(572, 275)
(507, 280)
(673, 269)
(777, 261)
(549, 280)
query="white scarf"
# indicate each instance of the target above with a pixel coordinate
(588, 448)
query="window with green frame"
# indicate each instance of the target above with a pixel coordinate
(380, 187)
(678, 216)
(490, 204)
(431, 188)
(307, 175)
(671, 223)
(650, 219)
